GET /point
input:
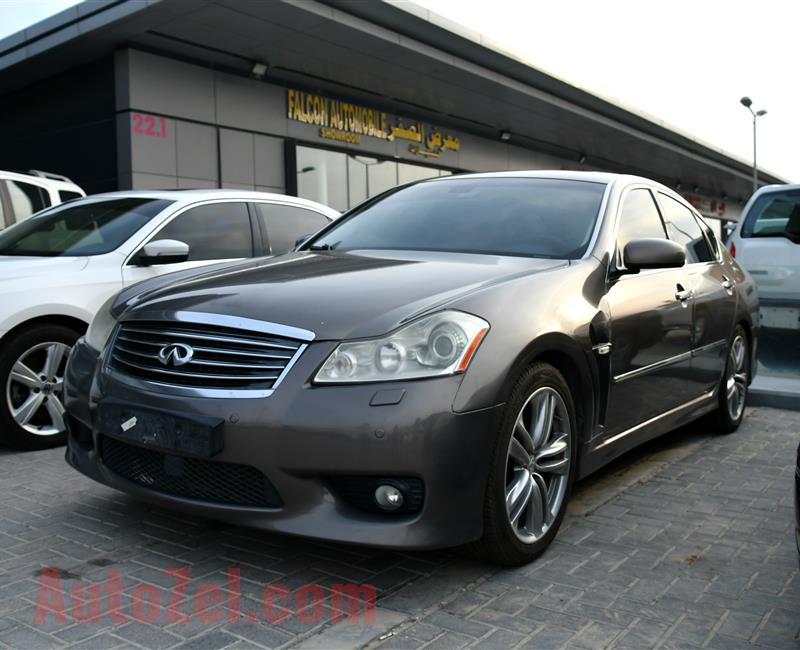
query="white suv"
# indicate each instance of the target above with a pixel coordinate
(766, 242)
(58, 267)
(22, 195)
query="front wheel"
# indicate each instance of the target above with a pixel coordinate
(733, 387)
(32, 366)
(532, 471)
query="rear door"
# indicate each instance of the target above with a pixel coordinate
(651, 326)
(284, 224)
(712, 291)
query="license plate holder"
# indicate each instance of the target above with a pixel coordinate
(786, 318)
(161, 430)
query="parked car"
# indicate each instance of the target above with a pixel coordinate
(58, 267)
(22, 195)
(436, 368)
(766, 242)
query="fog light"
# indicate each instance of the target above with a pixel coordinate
(388, 497)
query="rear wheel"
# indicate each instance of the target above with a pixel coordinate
(32, 364)
(532, 469)
(732, 390)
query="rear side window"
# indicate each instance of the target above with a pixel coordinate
(220, 231)
(66, 195)
(285, 224)
(640, 219)
(776, 214)
(683, 228)
(27, 198)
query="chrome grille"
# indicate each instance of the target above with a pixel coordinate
(222, 357)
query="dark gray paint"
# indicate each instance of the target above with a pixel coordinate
(559, 311)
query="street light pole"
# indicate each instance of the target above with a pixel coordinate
(748, 104)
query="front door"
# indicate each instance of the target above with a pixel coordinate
(651, 327)
(214, 232)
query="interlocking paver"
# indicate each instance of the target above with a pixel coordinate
(685, 543)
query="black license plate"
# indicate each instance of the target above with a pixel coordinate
(193, 436)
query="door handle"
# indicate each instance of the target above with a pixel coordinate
(683, 295)
(727, 284)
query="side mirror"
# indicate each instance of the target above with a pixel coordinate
(654, 253)
(301, 240)
(163, 251)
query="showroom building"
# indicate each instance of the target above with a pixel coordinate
(331, 100)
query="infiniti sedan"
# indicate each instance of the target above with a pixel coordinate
(436, 368)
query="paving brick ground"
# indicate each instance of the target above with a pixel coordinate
(687, 543)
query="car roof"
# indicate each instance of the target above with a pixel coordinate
(560, 174)
(778, 188)
(45, 181)
(186, 197)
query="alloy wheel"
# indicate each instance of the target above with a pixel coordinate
(736, 378)
(538, 464)
(34, 390)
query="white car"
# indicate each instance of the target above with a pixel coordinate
(766, 242)
(22, 195)
(58, 267)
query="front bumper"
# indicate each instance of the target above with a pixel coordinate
(302, 436)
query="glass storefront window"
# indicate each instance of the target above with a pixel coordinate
(342, 181)
(322, 177)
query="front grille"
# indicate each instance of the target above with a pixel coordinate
(191, 478)
(223, 357)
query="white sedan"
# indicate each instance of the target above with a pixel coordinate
(58, 267)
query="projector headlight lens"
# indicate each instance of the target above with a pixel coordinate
(441, 344)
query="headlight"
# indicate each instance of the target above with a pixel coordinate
(101, 327)
(441, 344)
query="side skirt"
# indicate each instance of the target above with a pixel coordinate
(601, 452)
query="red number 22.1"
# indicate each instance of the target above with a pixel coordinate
(146, 125)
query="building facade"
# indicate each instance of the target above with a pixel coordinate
(333, 100)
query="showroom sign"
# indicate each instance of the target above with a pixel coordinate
(347, 122)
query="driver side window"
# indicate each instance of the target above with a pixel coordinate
(639, 219)
(220, 231)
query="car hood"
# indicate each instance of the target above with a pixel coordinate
(17, 268)
(335, 295)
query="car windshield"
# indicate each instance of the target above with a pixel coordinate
(83, 227)
(528, 217)
(775, 214)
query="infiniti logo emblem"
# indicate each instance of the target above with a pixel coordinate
(175, 354)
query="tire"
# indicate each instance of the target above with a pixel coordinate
(513, 544)
(38, 356)
(732, 391)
